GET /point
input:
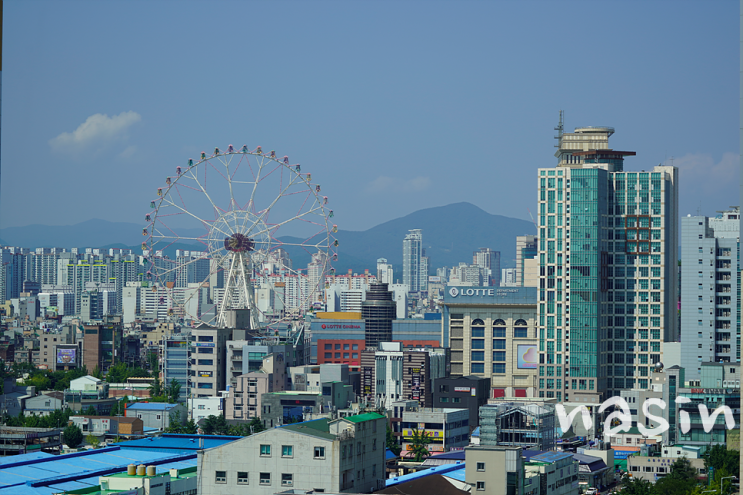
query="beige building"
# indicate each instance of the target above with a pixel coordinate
(492, 333)
(244, 399)
(334, 456)
(497, 470)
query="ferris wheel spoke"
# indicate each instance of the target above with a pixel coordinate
(273, 227)
(265, 212)
(205, 223)
(203, 190)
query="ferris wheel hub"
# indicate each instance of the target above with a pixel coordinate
(239, 243)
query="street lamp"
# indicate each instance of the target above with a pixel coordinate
(726, 478)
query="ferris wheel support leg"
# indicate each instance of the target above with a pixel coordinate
(249, 294)
(227, 294)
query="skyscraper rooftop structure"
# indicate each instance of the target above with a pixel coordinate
(412, 257)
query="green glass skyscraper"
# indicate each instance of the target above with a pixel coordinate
(608, 278)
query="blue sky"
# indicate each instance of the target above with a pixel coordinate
(393, 106)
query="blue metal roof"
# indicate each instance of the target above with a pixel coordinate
(78, 470)
(457, 474)
(178, 443)
(446, 470)
(388, 454)
(476, 432)
(150, 406)
(551, 456)
(24, 457)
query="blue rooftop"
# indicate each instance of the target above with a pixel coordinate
(150, 406)
(170, 442)
(389, 455)
(449, 470)
(47, 475)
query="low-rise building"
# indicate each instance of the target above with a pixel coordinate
(495, 469)
(157, 414)
(558, 472)
(466, 392)
(203, 407)
(513, 423)
(342, 455)
(44, 404)
(103, 426)
(177, 481)
(653, 468)
(22, 440)
(447, 429)
(279, 408)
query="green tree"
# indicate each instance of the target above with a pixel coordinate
(97, 373)
(215, 425)
(190, 428)
(72, 436)
(153, 363)
(90, 411)
(636, 486)
(175, 425)
(680, 481)
(156, 389)
(720, 458)
(92, 440)
(174, 391)
(419, 443)
(391, 442)
(256, 425)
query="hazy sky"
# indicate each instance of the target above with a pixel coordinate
(393, 106)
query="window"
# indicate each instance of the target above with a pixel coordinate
(520, 332)
(242, 477)
(481, 466)
(328, 347)
(478, 367)
(319, 452)
(287, 451)
(374, 444)
(266, 450)
(287, 479)
(481, 486)
(220, 477)
(499, 367)
(158, 416)
(265, 479)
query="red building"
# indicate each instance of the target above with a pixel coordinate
(348, 351)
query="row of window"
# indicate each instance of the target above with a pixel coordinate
(287, 479)
(288, 451)
(354, 347)
(353, 355)
(479, 368)
(500, 332)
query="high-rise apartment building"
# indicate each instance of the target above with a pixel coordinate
(412, 259)
(608, 269)
(710, 301)
(385, 273)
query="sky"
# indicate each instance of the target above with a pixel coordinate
(392, 106)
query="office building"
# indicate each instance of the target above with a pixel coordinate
(100, 342)
(448, 428)
(608, 263)
(526, 249)
(176, 362)
(390, 373)
(412, 255)
(378, 311)
(244, 401)
(492, 333)
(710, 288)
(208, 364)
(333, 456)
(488, 260)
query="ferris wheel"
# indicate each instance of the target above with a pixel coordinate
(239, 229)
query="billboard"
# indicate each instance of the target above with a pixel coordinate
(527, 356)
(66, 356)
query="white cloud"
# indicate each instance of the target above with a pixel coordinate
(384, 184)
(97, 132)
(706, 183)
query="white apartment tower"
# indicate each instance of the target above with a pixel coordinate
(710, 301)
(412, 261)
(608, 269)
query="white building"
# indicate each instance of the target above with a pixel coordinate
(385, 274)
(341, 455)
(203, 407)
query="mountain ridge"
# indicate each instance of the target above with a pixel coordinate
(450, 235)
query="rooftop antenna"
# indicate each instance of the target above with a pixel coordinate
(559, 129)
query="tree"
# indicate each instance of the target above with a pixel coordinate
(90, 411)
(720, 458)
(256, 425)
(680, 481)
(190, 428)
(215, 425)
(72, 436)
(391, 442)
(92, 440)
(156, 389)
(636, 486)
(174, 391)
(97, 373)
(419, 442)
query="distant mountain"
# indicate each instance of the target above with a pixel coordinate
(450, 235)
